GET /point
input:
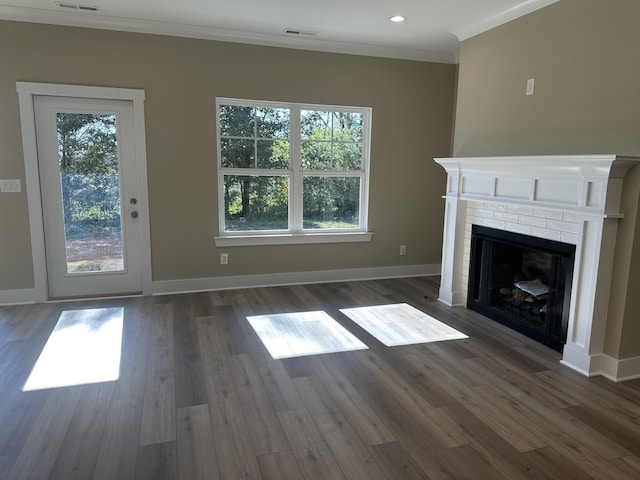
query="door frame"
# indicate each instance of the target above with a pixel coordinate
(26, 93)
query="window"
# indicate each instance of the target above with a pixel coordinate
(292, 173)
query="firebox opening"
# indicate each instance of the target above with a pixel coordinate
(523, 282)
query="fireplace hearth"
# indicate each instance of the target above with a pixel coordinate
(523, 282)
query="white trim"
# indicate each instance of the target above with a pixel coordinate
(520, 10)
(17, 297)
(26, 92)
(105, 22)
(295, 174)
(602, 364)
(295, 278)
(291, 239)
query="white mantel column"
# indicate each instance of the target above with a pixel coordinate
(455, 216)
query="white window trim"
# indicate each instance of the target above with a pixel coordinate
(295, 173)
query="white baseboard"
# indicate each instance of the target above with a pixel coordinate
(619, 370)
(165, 287)
(17, 297)
(601, 364)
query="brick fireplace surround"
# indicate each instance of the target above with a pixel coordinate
(568, 198)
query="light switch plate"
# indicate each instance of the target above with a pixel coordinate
(10, 186)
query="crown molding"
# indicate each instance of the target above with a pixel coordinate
(105, 22)
(506, 16)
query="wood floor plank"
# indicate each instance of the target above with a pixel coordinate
(38, 455)
(476, 399)
(474, 464)
(629, 465)
(355, 460)
(135, 348)
(260, 415)
(118, 451)
(396, 462)
(236, 457)
(443, 428)
(556, 465)
(278, 383)
(158, 423)
(79, 451)
(279, 466)
(189, 376)
(28, 321)
(157, 462)
(602, 422)
(234, 450)
(314, 456)
(505, 458)
(365, 422)
(18, 414)
(418, 442)
(195, 446)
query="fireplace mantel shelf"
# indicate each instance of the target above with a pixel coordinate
(575, 198)
(583, 184)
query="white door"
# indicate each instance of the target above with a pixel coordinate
(88, 182)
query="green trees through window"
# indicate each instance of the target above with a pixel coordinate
(292, 168)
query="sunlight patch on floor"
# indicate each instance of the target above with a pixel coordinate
(288, 335)
(84, 347)
(401, 324)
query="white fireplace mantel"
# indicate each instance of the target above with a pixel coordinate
(572, 198)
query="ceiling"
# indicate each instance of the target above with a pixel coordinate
(431, 32)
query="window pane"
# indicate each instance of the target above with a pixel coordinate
(331, 140)
(315, 125)
(331, 202)
(316, 155)
(273, 122)
(256, 202)
(237, 121)
(237, 153)
(347, 156)
(273, 154)
(347, 126)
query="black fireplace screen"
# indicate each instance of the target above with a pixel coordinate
(523, 282)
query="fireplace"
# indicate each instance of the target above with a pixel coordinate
(523, 282)
(569, 199)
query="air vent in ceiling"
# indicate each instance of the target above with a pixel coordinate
(299, 33)
(77, 6)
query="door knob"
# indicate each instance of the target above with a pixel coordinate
(134, 214)
(133, 201)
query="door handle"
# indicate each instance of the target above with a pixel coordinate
(134, 214)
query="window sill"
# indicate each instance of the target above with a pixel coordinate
(291, 239)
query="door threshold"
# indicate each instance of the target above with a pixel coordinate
(95, 297)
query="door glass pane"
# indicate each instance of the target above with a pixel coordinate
(90, 186)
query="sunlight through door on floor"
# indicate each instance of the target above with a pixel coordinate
(84, 347)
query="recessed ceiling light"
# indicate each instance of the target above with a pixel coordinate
(398, 18)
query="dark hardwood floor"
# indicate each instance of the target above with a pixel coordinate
(199, 397)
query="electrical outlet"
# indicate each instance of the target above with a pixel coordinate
(224, 258)
(403, 249)
(10, 186)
